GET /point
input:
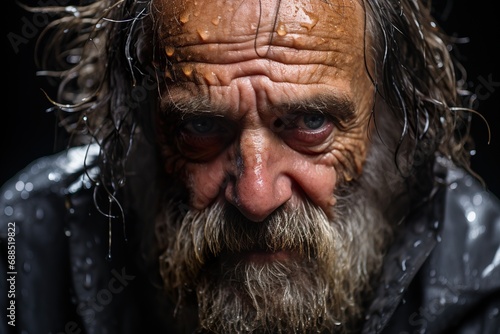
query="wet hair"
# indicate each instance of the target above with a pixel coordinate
(102, 57)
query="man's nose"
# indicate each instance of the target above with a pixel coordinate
(261, 183)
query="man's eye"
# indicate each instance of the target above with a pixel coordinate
(202, 125)
(311, 122)
(304, 132)
(202, 138)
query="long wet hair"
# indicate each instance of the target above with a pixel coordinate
(102, 57)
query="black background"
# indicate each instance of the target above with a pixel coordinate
(28, 131)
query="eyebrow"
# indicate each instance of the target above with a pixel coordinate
(341, 109)
(192, 106)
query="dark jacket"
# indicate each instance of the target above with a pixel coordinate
(442, 275)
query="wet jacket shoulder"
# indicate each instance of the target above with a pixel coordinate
(62, 280)
(443, 274)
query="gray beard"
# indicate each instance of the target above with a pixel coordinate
(322, 287)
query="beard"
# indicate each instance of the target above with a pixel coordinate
(323, 282)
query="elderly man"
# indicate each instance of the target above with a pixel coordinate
(254, 166)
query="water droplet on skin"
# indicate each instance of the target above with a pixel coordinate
(313, 20)
(168, 75)
(204, 34)
(184, 18)
(281, 30)
(169, 50)
(216, 21)
(211, 78)
(187, 70)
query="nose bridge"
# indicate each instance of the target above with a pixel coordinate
(261, 184)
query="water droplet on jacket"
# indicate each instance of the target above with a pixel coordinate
(109, 257)
(8, 211)
(39, 213)
(438, 238)
(493, 313)
(477, 199)
(19, 185)
(403, 265)
(417, 243)
(25, 194)
(453, 185)
(8, 195)
(432, 273)
(55, 177)
(435, 224)
(468, 181)
(28, 186)
(67, 233)
(87, 282)
(471, 216)
(26, 267)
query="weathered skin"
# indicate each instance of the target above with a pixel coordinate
(253, 67)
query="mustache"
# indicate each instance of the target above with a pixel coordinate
(200, 236)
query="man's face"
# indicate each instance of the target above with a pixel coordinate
(265, 113)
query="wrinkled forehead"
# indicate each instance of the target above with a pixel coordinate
(301, 24)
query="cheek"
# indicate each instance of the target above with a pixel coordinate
(315, 179)
(205, 182)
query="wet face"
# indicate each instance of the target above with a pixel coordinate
(264, 115)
